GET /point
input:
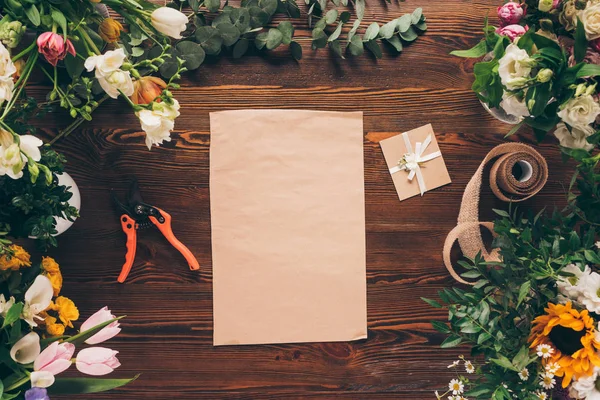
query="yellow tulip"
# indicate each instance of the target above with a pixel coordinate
(110, 30)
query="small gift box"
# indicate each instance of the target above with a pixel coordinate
(415, 162)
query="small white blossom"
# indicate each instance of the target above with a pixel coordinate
(544, 350)
(469, 367)
(454, 364)
(542, 395)
(552, 368)
(456, 386)
(547, 381)
(524, 374)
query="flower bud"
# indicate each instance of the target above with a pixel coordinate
(544, 75)
(11, 32)
(518, 82)
(591, 89)
(34, 170)
(147, 89)
(546, 25)
(110, 30)
(169, 21)
(73, 113)
(53, 95)
(545, 5)
(580, 89)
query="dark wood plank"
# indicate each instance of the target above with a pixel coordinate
(167, 335)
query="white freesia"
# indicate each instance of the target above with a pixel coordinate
(115, 81)
(26, 349)
(580, 111)
(590, 17)
(585, 387)
(41, 379)
(574, 138)
(13, 156)
(37, 299)
(169, 21)
(515, 67)
(570, 286)
(158, 122)
(106, 63)
(7, 70)
(513, 105)
(5, 305)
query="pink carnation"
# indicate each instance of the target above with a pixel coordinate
(512, 31)
(510, 13)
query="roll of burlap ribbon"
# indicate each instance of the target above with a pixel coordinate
(507, 187)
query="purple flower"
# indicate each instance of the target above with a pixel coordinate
(36, 393)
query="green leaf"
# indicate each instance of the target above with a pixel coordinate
(451, 341)
(540, 95)
(33, 14)
(345, 16)
(81, 337)
(432, 303)
(59, 18)
(483, 337)
(296, 50)
(574, 241)
(504, 362)
(371, 32)
(258, 17)
(331, 16)
(356, 46)
(580, 47)
(422, 26)
(260, 40)
(395, 41)
(485, 313)
(521, 359)
(1, 389)
(410, 35)
(404, 22)
(240, 18)
(417, 15)
(360, 9)
(353, 30)
(194, 5)
(523, 292)
(479, 50)
(209, 38)
(501, 213)
(74, 65)
(440, 326)
(319, 39)
(212, 5)
(64, 386)
(240, 48)
(269, 6)
(336, 33)
(274, 38)
(388, 30)
(336, 48)
(592, 256)
(287, 30)
(192, 53)
(13, 314)
(374, 48)
(588, 70)
(229, 33)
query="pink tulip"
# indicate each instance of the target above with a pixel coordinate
(97, 361)
(52, 46)
(109, 331)
(512, 31)
(510, 13)
(55, 358)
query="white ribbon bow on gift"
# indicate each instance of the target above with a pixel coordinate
(411, 161)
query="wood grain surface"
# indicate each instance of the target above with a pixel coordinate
(167, 335)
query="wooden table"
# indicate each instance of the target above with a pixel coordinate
(167, 335)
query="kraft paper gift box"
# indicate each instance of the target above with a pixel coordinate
(288, 226)
(415, 162)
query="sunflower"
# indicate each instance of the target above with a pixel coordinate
(572, 335)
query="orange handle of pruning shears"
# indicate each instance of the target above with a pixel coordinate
(165, 228)
(128, 225)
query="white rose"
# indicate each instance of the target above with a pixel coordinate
(590, 286)
(580, 111)
(169, 21)
(514, 67)
(13, 156)
(590, 16)
(574, 138)
(513, 105)
(7, 69)
(106, 63)
(158, 122)
(115, 81)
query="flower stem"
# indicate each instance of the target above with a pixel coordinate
(24, 52)
(88, 40)
(75, 124)
(17, 384)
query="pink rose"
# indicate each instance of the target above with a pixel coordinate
(55, 358)
(595, 45)
(555, 4)
(512, 31)
(510, 13)
(97, 361)
(105, 333)
(52, 46)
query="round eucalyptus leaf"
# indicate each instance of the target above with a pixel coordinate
(274, 38)
(336, 34)
(269, 6)
(356, 46)
(229, 33)
(260, 40)
(410, 35)
(296, 50)
(336, 48)
(422, 26)
(345, 16)
(319, 39)
(396, 43)
(168, 68)
(331, 16)
(371, 32)
(292, 9)
(287, 30)
(240, 48)
(404, 22)
(192, 53)
(417, 15)
(258, 17)
(209, 39)
(219, 19)
(387, 30)
(374, 48)
(212, 5)
(240, 18)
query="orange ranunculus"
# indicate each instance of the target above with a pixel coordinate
(110, 30)
(19, 258)
(147, 89)
(67, 311)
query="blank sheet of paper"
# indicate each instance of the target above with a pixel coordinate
(288, 226)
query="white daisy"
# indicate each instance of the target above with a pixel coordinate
(547, 381)
(456, 386)
(552, 368)
(469, 367)
(541, 395)
(544, 350)
(454, 364)
(524, 374)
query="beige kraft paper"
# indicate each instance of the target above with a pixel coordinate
(288, 226)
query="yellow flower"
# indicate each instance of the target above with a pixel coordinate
(572, 335)
(110, 30)
(53, 328)
(52, 271)
(50, 265)
(67, 311)
(19, 258)
(56, 280)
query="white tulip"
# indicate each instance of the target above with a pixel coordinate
(7, 70)
(115, 81)
(515, 67)
(41, 379)
(513, 105)
(37, 299)
(158, 122)
(575, 138)
(580, 111)
(169, 21)
(106, 63)
(5, 305)
(27, 349)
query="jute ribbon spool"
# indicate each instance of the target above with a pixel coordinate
(534, 174)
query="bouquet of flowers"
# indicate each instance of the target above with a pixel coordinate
(35, 330)
(541, 66)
